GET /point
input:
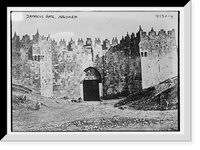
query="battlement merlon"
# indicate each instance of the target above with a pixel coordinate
(160, 44)
(152, 34)
(140, 35)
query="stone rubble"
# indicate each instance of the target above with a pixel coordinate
(100, 124)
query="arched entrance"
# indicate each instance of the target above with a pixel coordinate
(91, 85)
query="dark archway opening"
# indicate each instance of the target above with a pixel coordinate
(91, 84)
(91, 90)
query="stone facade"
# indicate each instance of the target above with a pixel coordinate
(135, 62)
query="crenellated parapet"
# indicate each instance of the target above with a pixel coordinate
(80, 42)
(160, 43)
(62, 42)
(15, 38)
(36, 37)
(161, 34)
(97, 41)
(114, 41)
(25, 39)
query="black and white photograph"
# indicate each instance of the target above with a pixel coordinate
(95, 71)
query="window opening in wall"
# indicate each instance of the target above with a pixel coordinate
(145, 54)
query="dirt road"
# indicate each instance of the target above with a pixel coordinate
(63, 115)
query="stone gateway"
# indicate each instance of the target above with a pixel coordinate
(91, 85)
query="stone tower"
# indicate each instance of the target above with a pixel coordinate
(46, 74)
(159, 58)
(43, 57)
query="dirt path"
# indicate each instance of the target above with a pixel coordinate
(90, 116)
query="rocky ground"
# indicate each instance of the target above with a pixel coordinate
(63, 115)
(163, 96)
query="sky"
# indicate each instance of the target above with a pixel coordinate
(103, 25)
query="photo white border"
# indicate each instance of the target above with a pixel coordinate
(185, 88)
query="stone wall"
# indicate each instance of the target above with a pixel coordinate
(136, 63)
(121, 73)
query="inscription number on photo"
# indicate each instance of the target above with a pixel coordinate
(164, 16)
